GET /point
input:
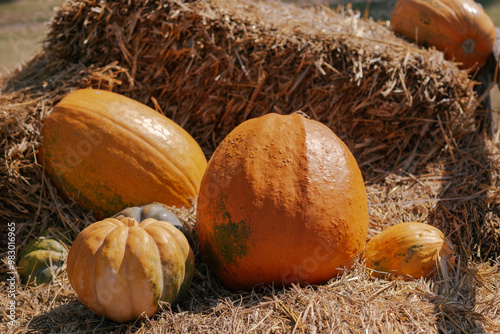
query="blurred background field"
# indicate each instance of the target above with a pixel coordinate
(23, 25)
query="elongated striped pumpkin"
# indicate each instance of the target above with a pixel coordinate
(107, 152)
(409, 250)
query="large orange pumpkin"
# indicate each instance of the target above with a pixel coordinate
(107, 152)
(122, 269)
(282, 201)
(459, 28)
(409, 250)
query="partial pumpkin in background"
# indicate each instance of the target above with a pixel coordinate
(282, 201)
(107, 152)
(154, 210)
(461, 29)
(409, 250)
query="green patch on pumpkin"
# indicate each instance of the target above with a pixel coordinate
(410, 252)
(229, 239)
(104, 200)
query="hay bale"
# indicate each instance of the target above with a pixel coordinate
(406, 113)
(209, 65)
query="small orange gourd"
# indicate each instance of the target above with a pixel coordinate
(107, 152)
(461, 29)
(409, 250)
(121, 268)
(282, 201)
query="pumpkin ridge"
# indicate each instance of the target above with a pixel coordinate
(127, 129)
(162, 278)
(89, 197)
(170, 125)
(78, 247)
(128, 294)
(151, 267)
(292, 180)
(181, 259)
(98, 254)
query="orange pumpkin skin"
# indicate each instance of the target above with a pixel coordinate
(409, 250)
(121, 269)
(108, 152)
(461, 29)
(282, 201)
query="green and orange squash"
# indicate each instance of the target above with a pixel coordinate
(282, 201)
(408, 250)
(107, 152)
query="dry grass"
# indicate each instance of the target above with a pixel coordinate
(408, 116)
(463, 299)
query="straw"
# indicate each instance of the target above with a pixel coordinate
(406, 114)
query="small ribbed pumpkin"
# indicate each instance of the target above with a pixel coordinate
(282, 201)
(461, 29)
(409, 250)
(121, 268)
(107, 152)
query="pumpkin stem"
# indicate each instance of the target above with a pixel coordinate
(128, 221)
(303, 114)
